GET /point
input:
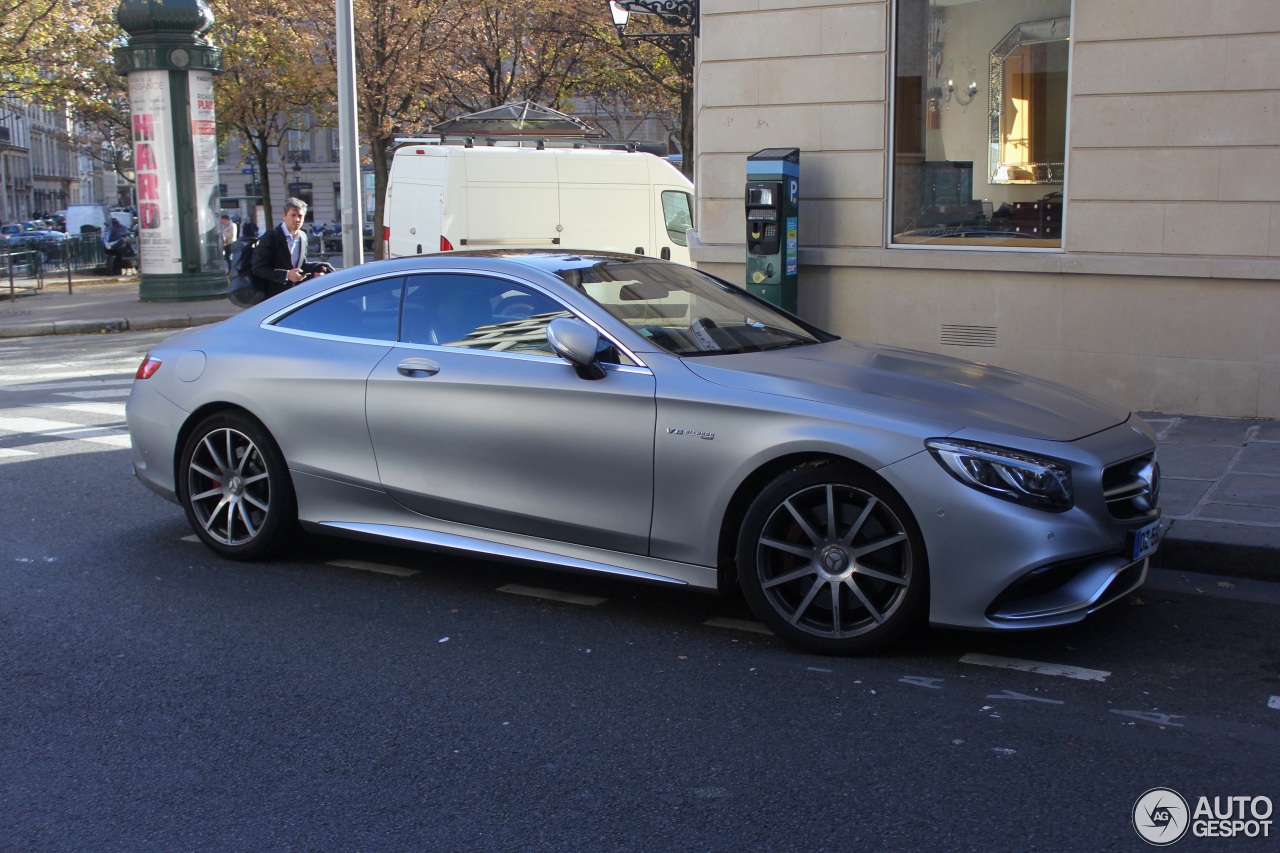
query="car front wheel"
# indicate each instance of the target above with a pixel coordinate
(235, 488)
(830, 559)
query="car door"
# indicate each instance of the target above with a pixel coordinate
(475, 420)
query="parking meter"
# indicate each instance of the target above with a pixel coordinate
(773, 224)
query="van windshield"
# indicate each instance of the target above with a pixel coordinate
(686, 312)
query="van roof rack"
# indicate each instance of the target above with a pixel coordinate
(525, 141)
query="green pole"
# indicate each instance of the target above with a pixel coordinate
(170, 67)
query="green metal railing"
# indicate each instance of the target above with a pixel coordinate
(28, 262)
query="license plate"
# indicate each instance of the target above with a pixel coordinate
(1146, 540)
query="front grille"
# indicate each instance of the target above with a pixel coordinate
(1132, 488)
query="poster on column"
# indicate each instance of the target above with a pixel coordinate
(159, 249)
(204, 146)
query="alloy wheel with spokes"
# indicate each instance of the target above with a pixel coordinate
(830, 558)
(235, 487)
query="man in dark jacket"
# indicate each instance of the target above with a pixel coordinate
(280, 260)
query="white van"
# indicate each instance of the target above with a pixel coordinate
(82, 216)
(442, 197)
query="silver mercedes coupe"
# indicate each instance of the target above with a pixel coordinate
(628, 416)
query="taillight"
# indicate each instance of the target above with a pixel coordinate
(148, 368)
(445, 245)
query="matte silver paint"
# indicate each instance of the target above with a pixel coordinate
(520, 457)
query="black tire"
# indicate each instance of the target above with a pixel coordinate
(235, 488)
(849, 587)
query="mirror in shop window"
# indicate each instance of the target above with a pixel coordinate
(1028, 102)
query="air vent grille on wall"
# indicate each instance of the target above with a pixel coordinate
(968, 336)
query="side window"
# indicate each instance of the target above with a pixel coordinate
(370, 310)
(478, 312)
(678, 214)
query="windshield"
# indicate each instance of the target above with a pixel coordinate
(685, 312)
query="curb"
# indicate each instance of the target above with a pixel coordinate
(1214, 548)
(94, 327)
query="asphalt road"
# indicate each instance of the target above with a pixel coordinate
(353, 697)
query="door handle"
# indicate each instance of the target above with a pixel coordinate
(418, 367)
(666, 253)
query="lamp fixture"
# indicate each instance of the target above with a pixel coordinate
(676, 13)
(944, 92)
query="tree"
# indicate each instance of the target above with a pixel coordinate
(274, 79)
(42, 44)
(536, 50)
(651, 72)
(400, 49)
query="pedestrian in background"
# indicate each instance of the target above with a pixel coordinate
(229, 235)
(280, 261)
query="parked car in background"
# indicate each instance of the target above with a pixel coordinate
(17, 228)
(624, 415)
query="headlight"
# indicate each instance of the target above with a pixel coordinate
(1033, 481)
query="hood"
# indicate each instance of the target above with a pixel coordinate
(916, 385)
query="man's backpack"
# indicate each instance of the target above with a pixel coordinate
(244, 290)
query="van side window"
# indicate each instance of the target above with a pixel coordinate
(678, 213)
(478, 312)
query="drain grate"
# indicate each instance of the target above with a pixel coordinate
(968, 336)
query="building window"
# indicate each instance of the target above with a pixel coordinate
(979, 125)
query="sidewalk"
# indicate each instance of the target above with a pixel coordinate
(96, 304)
(1221, 476)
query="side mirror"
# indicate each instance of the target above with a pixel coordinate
(576, 343)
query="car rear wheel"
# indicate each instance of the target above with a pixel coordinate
(830, 559)
(235, 488)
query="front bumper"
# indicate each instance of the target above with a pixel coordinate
(998, 565)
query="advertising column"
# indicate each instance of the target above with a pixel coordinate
(170, 66)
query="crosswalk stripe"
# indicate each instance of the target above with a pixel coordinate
(115, 410)
(95, 395)
(9, 384)
(59, 429)
(6, 452)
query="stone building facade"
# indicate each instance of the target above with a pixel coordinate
(1087, 190)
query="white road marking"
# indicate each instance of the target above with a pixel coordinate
(10, 384)
(552, 595)
(115, 410)
(7, 452)
(738, 625)
(1022, 697)
(1152, 717)
(95, 395)
(398, 571)
(1274, 702)
(191, 538)
(61, 429)
(1076, 672)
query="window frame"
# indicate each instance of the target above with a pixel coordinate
(894, 194)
